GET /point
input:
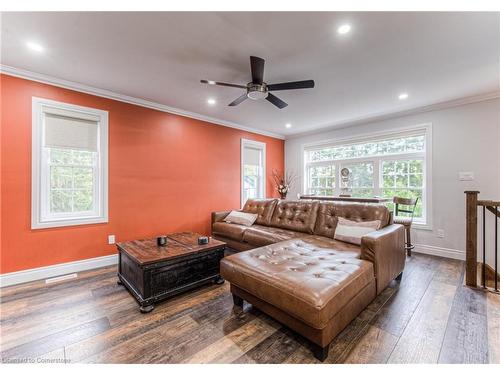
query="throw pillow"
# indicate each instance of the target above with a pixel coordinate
(242, 218)
(352, 231)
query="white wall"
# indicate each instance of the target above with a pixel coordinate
(465, 138)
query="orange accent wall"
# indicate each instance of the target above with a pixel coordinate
(166, 173)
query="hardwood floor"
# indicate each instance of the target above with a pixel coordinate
(429, 317)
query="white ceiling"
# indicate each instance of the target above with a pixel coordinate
(161, 57)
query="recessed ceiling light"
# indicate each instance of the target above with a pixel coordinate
(403, 96)
(211, 101)
(344, 29)
(288, 125)
(35, 46)
(211, 82)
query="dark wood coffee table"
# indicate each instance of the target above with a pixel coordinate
(152, 273)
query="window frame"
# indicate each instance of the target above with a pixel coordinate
(426, 156)
(40, 170)
(262, 183)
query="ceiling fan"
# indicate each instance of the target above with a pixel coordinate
(258, 89)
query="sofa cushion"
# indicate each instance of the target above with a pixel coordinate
(320, 242)
(233, 231)
(262, 207)
(299, 216)
(310, 282)
(242, 218)
(259, 235)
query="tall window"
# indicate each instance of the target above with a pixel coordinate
(69, 165)
(387, 166)
(253, 170)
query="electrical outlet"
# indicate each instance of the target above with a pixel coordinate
(465, 176)
(440, 233)
(111, 239)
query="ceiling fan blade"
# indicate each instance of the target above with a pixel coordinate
(238, 100)
(257, 66)
(276, 101)
(222, 84)
(291, 85)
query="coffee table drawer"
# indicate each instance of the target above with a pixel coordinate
(171, 277)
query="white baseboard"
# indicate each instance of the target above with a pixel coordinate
(41, 273)
(439, 251)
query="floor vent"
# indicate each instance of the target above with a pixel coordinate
(61, 278)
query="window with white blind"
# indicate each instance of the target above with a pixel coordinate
(383, 165)
(253, 170)
(69, 165)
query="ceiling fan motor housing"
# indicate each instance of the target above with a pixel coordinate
(256, 91)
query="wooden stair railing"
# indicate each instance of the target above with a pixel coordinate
(472, 203)
(491, 206)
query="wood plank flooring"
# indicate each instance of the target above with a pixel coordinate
(430, 317)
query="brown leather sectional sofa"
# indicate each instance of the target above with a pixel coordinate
(299, 274)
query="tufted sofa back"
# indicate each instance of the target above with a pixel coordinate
(299, 216)
(328, 213)
(262, 207)
(314, 217)
(327, 220)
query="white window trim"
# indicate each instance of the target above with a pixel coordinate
(259, 145)
(373, 136)
(36, 166)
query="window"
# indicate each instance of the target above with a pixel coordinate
(383, 165)
(253, 170)
(404, 178)
(322, 179)
(69, 165)
(360, 181)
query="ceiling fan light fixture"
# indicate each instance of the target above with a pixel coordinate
(257, 92)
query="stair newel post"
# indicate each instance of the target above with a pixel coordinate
(471, 238)
(496, 249)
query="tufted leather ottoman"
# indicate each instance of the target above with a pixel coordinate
(314, 285)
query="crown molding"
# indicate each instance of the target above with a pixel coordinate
(43, 78)
(391, 115)
(75, 86)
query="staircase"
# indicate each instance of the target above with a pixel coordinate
(487, 207)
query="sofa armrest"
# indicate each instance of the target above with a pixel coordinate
(385, 248)
(219, 216)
